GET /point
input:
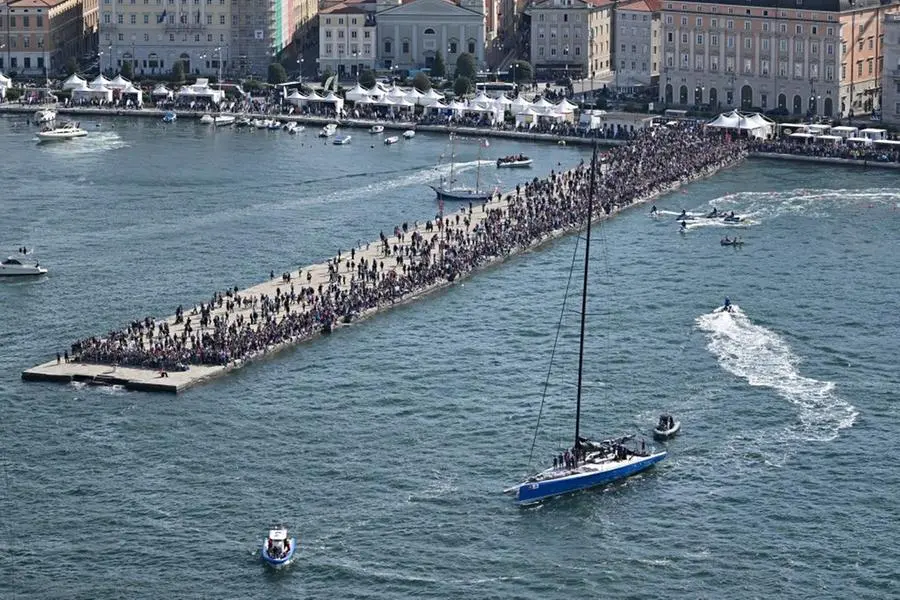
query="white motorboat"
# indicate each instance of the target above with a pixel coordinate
(290, 127)
(66, 131)
(19, 266)
(391, 140)
(409, 134)
(207, 120)
(514, 162)
(274, 124)
(278, 549)
(376, 129)
(44, 116)
(329, 130)
(261, 123)
(170, 117)
(223, 120)
(341, 140)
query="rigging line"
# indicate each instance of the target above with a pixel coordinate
(562, 314)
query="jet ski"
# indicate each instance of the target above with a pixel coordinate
(734, 242)
(715, 214)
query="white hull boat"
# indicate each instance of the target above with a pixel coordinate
(15, 266)
(341, 140)
(67, 131)
(391, 140)
(223, 120)
(409, 134)
(376, 129)
(278, 549)
(518, 163)
(207, 120)
(328, 131)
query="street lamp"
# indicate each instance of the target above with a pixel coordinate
(110, 58)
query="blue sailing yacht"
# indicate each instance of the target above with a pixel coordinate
(588, 463)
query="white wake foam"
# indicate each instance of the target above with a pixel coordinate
(763, 358)
(762, 206)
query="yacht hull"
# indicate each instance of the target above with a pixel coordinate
(587, 476)
(461, 195)
(277, 563)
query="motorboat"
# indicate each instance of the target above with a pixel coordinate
(409, 134)
(207, 119)
(290, 127)
(66, 131)
(376, 129)
(732, 219)
(170, 117)
(329, 130)
(278, 549)
(19, 266)
(514, 162)
(260, 123)
(243, 122)
(274, 124)
(729, 242)
(391, 140)
(44, 116)
(224, 120)
(666, 428)
(341, 140)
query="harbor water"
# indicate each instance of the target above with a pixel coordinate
(385, 447)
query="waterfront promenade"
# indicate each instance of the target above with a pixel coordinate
(234, 327)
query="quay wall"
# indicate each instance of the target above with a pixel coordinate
(151, 380)
(826, 160)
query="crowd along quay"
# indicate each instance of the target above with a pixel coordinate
(235, 326)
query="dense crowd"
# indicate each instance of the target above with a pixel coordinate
(233, 326)
(826, 150)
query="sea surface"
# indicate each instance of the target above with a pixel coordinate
(386, 446)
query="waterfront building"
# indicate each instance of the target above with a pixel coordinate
(571, 38)
(812, 57)
(411, 33)
(347, 38)
(154, 34)
(636, 50)
(890, 107)
(38, 37)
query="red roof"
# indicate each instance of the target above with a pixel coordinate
(642, 5)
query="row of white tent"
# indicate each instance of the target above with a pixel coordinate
(5, 83)
(102, 88)
(754, 124)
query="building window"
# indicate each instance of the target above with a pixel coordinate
(120, 19)
(578, 53)
(26, 24)
(714, 40)
(699, 39)
(121, 37)
(684, 39)
(405, 47)
(329, 49)
(746, 25)
(40, 23)
(327, 34)
(453, 48)
(387, 46)
(765, 28)
(132, 19)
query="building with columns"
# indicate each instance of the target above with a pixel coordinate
(38, 37)
(411, 33)
(805, 57)
(890, 106)
(571, 38)
(637, 44)
(347, 38)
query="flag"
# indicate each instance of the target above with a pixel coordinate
(161, 17)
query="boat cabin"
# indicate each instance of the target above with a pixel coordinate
(278, 544)
(11, 261)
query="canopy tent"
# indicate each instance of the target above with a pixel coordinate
(313, 96)
(565, 106)
(519, 105)
(200, 90)
(834, 139)
(73, 82)
(845, 131)
(481, 98)
(396, 93)
(130, 90)
(5, 82)
(119, 83)
(357, 93)
(436, 106)
(542, 104)
(100, 79)
(801, 136)
(889, 144)
(503, 100)
(404, 103)
(413, 95)
(161, 91)
(368, 100)
(294, 97)
(873, 133)
(726, 121)
(527, 118)
(859, 140)
(430, 97)
(94, 92)
(457, 106)
(754, 124)
(384, 102)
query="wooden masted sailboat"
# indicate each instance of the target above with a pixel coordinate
(588, 463)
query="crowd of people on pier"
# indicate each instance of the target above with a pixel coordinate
(234, 326)
(826, 150)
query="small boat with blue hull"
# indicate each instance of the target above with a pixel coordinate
(278, 549)
(342, 140)
(170, 117)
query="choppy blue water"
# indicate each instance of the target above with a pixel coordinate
(386, 445)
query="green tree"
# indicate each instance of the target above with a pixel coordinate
(466, 67)
(421, 82)
(367, 78)
(178, 72)
(277, 74)
(438, 69)
(325, 76)
(71, 66)
(522, 71)
(127, 70)
(462, 86)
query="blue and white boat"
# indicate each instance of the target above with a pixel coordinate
(278, 549)
(342, 140)
(170, 117)
(586, 464)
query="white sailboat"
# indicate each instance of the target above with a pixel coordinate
(587, 464)
(445, 191)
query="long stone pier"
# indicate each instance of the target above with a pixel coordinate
(176, 381)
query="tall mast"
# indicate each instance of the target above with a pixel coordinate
(452, 155)
(584, 289)
(478, 168)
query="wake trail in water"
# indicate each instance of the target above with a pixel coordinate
(817, 203)
(764, 359)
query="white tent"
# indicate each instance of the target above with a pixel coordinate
(199, 90)
(357, 93)
(481, 98)
(730, 120)
(119, 83)
(94, 92)
(457, 106)
(294, 97)
(332, 98)
(5, 82)
(161, 91)
(519, 105)
(367, 100)
(526, 118)
(72, 82)
(385, 102)
(413, 95)
(430, 97)
(100, 79)
(436, 106)
(542, 104)
(130, 90)
(313, 96)
(404, 103)
(504, 100)
(565, 106)
(396, 93)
